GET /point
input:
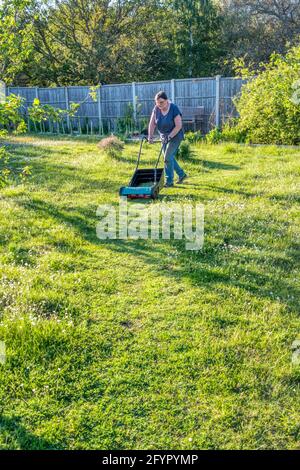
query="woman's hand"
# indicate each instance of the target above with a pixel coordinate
(150, 140)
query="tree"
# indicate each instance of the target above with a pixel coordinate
(255, 29)
(196, 26)
(88, 41)
(16, 33)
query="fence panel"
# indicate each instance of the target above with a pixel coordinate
(229, 87)
(137, 100)
(197, 92)
(145, 91)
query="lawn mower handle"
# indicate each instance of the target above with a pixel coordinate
(164, 142)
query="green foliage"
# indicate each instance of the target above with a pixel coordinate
(70, 43)
(193, 137)
(268, 105)
(4, 170)
(93, 93)
(3, 133)
(10, 112)
(73, 108)
(196, 31)
(16, 38)
(231, 132)
(129, 122)
(21, 128)
(39, 113)
(253, 29)
(58, 43)
(214, 136)
(184, 152)
(112, 146)
(12, 122)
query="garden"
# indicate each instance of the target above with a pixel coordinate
(139, 343)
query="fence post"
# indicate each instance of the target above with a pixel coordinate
(67, 106)
(134, 102)
(217, 104)
(100, 111)
(173, 90)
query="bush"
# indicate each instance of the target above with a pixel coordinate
(11, 122)
(10, 113)
(269, 104)
(112, 146)
(231, 132)
(193, 137)
(184, 152)
(214, 136)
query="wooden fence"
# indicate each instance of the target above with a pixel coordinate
(118, 105)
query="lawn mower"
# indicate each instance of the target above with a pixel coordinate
(145, 183)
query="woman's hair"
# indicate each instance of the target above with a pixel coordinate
(161, 94)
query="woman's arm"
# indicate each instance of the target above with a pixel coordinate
(177, 128)
(151, 127)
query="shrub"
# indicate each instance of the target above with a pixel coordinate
(112, 146)
(10, 113)
(214, 136)
(269, 105)
(13, 123)
(193, 137)
(231, 132)
(184, 152)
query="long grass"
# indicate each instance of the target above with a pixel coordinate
(140, 344)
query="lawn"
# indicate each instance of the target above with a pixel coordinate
(142, 344)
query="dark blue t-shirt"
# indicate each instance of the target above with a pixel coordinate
(165, 124)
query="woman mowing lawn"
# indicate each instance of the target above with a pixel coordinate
(167, 117)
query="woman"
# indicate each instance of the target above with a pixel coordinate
(167, 117)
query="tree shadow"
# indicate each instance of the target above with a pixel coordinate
(231, 191)
(197, 267)
(254, 280)
(81, 219)
(18, 435)
(217, 165)
(275, 197)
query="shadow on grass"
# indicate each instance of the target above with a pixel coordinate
(274, 197)
(199, 268)
(16, 436)
(261, 278)
(217, 165)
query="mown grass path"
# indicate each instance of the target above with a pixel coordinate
(140, 344)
